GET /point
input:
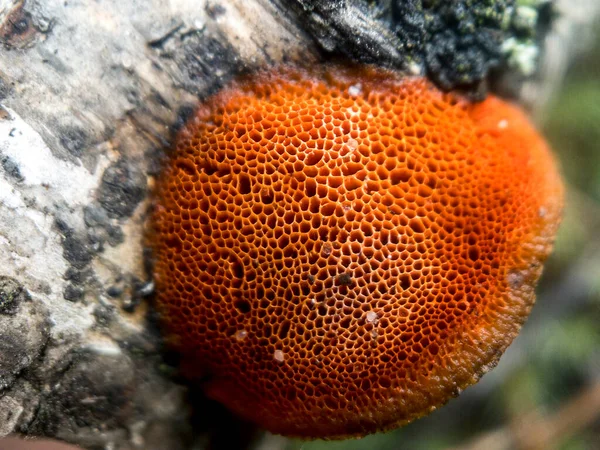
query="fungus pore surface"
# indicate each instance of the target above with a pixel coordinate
(340, 251)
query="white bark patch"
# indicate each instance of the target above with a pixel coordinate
(30, 247)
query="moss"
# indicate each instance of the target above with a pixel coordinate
(456, 43)
(11, 295)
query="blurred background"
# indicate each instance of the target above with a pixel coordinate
(545, 393)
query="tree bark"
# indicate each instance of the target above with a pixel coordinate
(91, 94)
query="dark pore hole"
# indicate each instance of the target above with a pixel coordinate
(242, 305)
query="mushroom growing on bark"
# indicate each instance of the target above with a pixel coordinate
(342, 250)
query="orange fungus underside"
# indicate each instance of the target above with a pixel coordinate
(340, 251)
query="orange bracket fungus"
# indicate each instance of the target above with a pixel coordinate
(340, 251)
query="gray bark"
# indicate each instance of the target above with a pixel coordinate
(91, 92)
